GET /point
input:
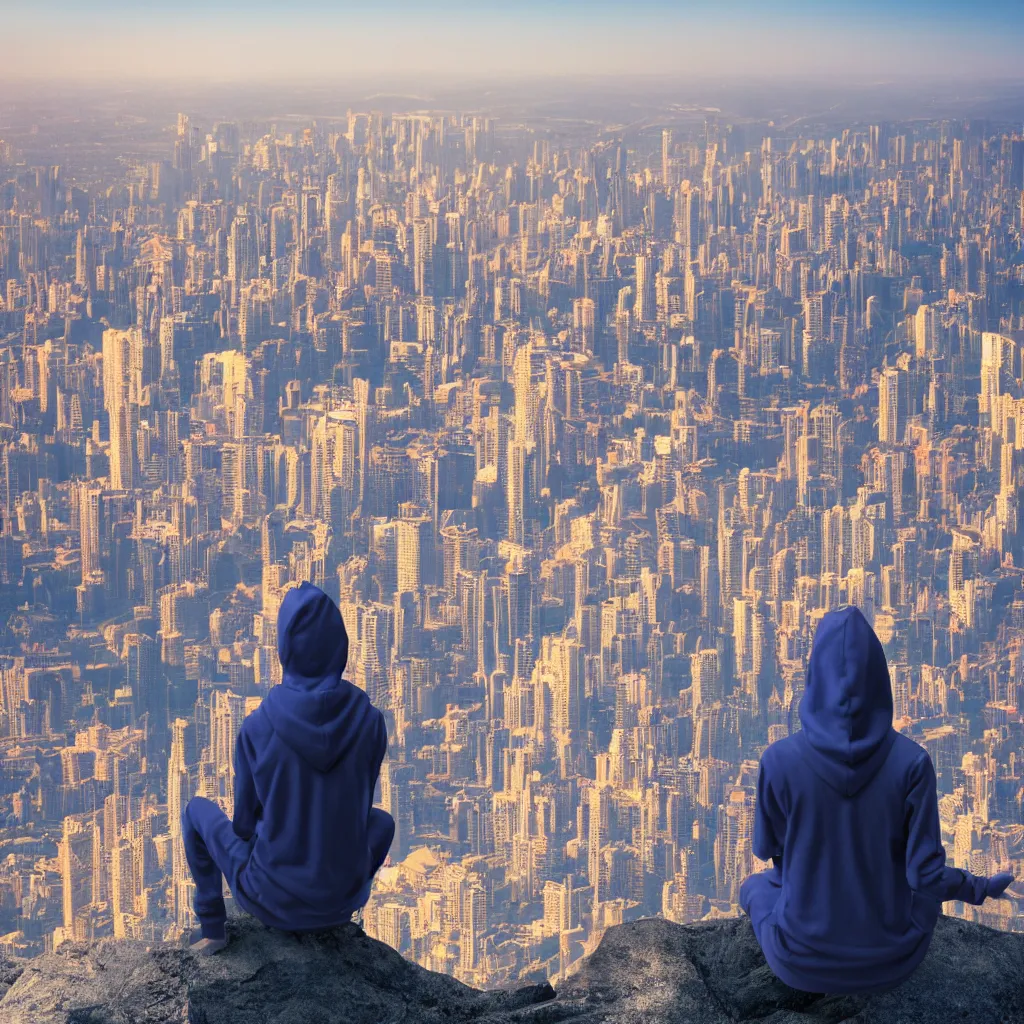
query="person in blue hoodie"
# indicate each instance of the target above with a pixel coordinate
(848, 814)
(305, 841)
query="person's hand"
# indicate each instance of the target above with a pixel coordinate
(997, 885)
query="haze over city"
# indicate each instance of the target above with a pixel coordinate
(943, 40)
(586, 354)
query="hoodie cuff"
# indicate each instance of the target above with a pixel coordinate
(213, 929)
(972, 890)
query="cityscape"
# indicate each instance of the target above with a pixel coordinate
(584, 412)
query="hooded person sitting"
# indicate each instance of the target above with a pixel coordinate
(305, 841)
(847, 810)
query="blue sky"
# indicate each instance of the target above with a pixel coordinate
(231, 39)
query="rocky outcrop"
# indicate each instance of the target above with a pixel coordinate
(649, 971)
(263, 976)
(715, 973)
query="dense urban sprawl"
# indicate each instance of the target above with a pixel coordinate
(584, 432)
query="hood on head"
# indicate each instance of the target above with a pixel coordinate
(846, 709)
(311, 639)
(320, 725)
(314, 711)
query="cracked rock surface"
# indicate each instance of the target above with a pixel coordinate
(650, 971)
(263, 977)
(715, 973)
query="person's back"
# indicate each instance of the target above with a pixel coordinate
(847, 810)
(314, 748)
(305, 841)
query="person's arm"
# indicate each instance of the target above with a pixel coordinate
(927, 872)
(247, 804)
(380, 748)
(769, 822)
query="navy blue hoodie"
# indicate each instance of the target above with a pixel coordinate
(306, 765)
(847, 809)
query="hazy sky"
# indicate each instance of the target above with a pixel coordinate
(258, 39)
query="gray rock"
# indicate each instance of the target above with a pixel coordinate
(650, 971)
(263, 977)
(10, 972)
(715, 973)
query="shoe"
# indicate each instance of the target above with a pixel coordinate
(207, 947)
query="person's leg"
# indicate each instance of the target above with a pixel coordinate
(380, 833)
(214, 853)
(758, 895)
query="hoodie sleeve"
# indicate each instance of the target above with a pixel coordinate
(247, 804)
(769, 818)
(380, 748)
(927, 872)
